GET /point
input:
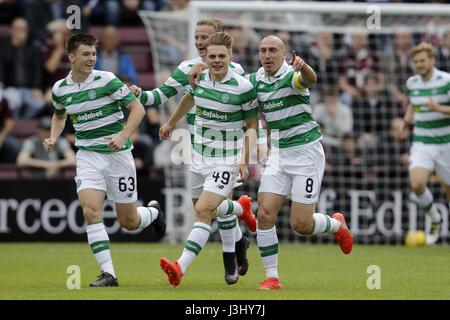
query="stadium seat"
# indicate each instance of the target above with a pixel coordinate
(141, 61)
(147, 80)
(4, 31)
(9, 171)
(133, 36)
(24, 128)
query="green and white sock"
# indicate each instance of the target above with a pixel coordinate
(425, 202)
(194, 244)
(147, 215)
(325, 224)
(228, 208)
(99, 241)
(268, 248)
(227, 229)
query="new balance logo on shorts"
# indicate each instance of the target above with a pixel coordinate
(221, 186)
(129, 195)
(308, 196)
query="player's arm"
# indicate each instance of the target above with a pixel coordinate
(58, 124)
(195, 73)
(408, 117)
(185, 104)
(263, 149)
(250, 110)
(433, 105)
(305, 76)
(135, 117)
(174, 84)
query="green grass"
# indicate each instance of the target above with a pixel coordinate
(38, 271)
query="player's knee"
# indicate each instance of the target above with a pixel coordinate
(91, 214)
(418, 187)
(204, 212)
(129, 223)
(265, 218)
(302, 227)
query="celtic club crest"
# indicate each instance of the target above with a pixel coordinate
(225, 98)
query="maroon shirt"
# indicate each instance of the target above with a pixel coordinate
(61, 72)
(357, 65)
(5, 113)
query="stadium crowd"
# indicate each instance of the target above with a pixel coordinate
(358, 101)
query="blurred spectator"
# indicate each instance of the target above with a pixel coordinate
(355, 64)
(56, 62)
(395, 145)
(111, 58)
(335, 118)
(42, 163)
(323, 58)
(142, 154)
(130, 15)
(10, 9)
(175, 5)
(443, 53)
(22, 68)
(373, 111)
(9, 146)
(40, 13)
(245, 47)
(397, 65)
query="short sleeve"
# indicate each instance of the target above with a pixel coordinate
(58, 106)
(250, 104)
(117, 90)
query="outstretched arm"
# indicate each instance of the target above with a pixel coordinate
(307, 76)
(186, 104)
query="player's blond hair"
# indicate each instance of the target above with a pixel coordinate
(423, 47)
(215, 23)
(220, 39)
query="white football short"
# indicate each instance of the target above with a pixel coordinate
(114, 173)
(220, 179)
(296, 172)
(432, 157)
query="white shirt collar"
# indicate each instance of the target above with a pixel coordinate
(89, 78)
(227, 77)
(283, 68)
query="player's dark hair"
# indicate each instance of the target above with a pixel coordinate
(78, 39)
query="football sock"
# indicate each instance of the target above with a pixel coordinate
(99, 241)
(229, 207)
(425, 201)
(325, 224)
(194, 244)
(147, 216)
(227, 231)
(268, 248)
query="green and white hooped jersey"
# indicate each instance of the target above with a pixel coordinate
(220, 111)
(286, 107)
(94, 107)
(430, 127)
(178, 82)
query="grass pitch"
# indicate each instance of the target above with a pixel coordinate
(39, 271)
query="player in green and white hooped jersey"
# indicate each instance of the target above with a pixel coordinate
(178, 82)
(296, 162)
(429, 94)
(105, 166)
(224, 102)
